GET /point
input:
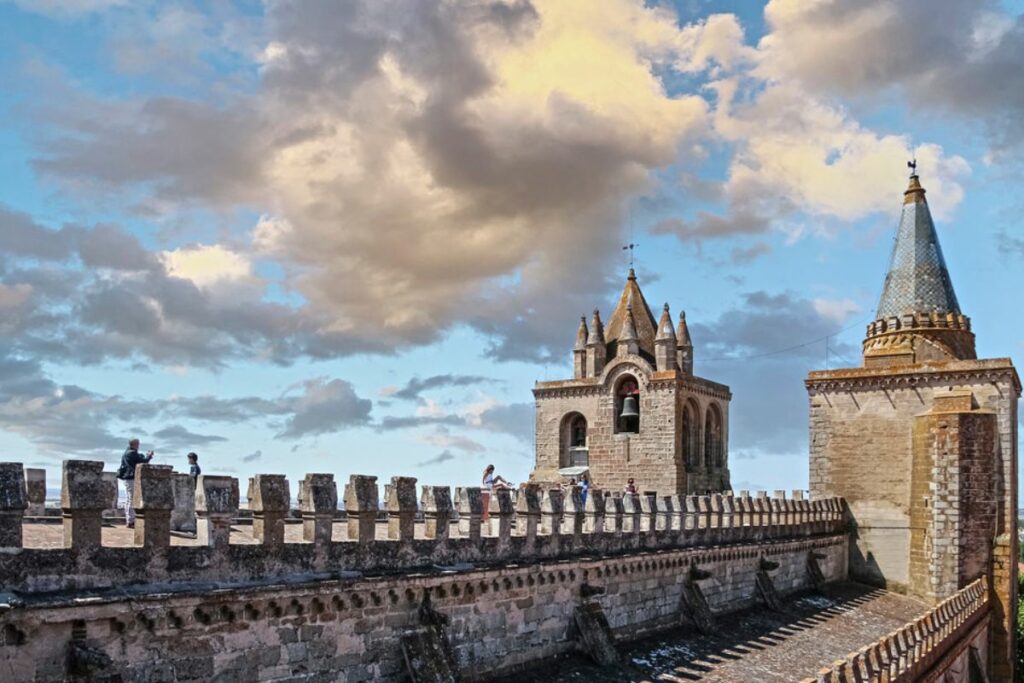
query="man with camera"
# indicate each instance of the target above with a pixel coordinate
(126, 472)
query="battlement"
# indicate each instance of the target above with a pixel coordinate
(434, 529)
(921, 646)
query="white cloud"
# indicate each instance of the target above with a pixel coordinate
(207, 264)
(836, 310)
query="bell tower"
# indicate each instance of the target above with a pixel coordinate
(634, 407)
(921, 440)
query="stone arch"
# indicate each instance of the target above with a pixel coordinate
(690, 433)
(573, 439)
(627, 385)
(713, 437)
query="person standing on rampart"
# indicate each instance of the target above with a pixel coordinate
(126, 472)
(491, 482)
(193, 467)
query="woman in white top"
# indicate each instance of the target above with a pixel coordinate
(493, 481)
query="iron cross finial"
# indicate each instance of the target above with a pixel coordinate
(631, 246)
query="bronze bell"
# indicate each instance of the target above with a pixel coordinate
(629, 407)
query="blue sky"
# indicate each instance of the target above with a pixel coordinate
(348, 237)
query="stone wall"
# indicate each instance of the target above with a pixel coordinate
(349, 627)
(863, 449)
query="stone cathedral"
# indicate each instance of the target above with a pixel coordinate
(900, 567)
(634, 408)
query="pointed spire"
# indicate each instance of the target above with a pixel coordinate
(596, 335)
(918, 281)
(582, 334)
(645, 326)
(918, 317)
(628, 326)
(683, 332)
(665, 331)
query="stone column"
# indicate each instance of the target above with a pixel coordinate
(13, 502)
(319, 502)
(82, 500)
(436, 503)
(361, 506)
(502, 512)
(551, 510)
(470, 504)
(401, 507)
(270, 503)
(216, 507)
(35, 485)
(183, 516)
(153, 500)
(528, 512)
(593, 512)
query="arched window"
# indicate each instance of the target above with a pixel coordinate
(712, 438)
(627, 405)
(574, 441)
(690, 435)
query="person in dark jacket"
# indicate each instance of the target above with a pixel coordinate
(129, 460)
(193, 467)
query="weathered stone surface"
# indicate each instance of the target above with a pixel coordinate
(153, 499)
(83, 499)
(183, 515)
(13, 503)
(361, 505)
(318, 502)
(436, 503)
(401, 507)
(216, 505)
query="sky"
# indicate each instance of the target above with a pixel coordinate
(319, 236)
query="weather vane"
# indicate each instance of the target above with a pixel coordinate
(912, 165)
(631, 246)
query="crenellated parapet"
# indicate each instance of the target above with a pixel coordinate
(921, 646)
(407, 531)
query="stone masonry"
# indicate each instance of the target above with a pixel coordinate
(679, 443)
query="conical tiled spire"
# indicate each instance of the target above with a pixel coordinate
(918, 318)
(644, 323)
(918, 281)
(684, 346)
(582, 334)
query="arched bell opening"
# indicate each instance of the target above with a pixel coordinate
(713, 438)
(690, 432)
(627, 405)
(575, 451)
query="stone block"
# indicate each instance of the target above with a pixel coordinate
(470, 504)
(502, 512)
(13, 503)
(216, 505)
(318, 501)
(83, 498)
(35, 486)
(271, 501)
(361, 506)
(552, 509)
(528, 511)
(183, 514)
(401, 508)
(153, 499)
(436, 503)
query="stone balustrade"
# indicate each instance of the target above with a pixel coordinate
(913, 650)
(527, 524)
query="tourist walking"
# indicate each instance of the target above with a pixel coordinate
(584, 488)
(126, 473)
